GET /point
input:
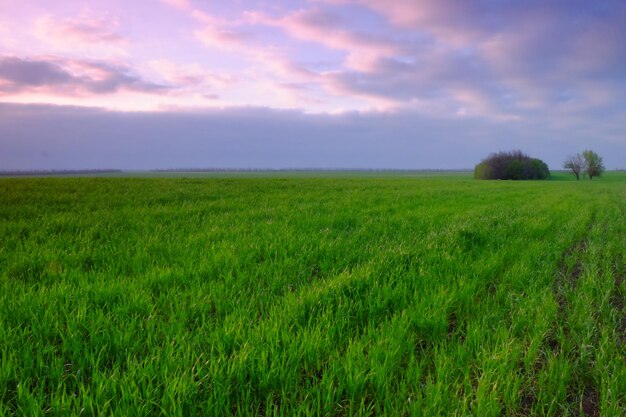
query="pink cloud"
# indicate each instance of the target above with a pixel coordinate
(220, 33)
(189, 75)
(318, 26)
(270, 73)
(179, 4)
(7, 35)
(83, 33)
(221, 37)
(228, 35)
(452, 21)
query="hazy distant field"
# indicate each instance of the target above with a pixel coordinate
(425, 295)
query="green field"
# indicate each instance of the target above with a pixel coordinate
(419, 295)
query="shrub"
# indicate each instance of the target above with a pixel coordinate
(513, 165)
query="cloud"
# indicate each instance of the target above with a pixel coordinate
(192, 80)
(185, 76)
(500, 60)
(84, 33)
(221, 33)
(222, 38)
(63, 76)
(454, 21)
(320, 26)
(76, 138)
(492, 59)
(272, 69)
(7, 35)
(227, 35)
(271, 72)
(179, 4)
(440, 83)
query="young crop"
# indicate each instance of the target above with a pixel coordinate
(425, 296)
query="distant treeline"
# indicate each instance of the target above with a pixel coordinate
(58, 172)
(307, 170)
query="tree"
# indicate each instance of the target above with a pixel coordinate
(576, 163)
(593, 164)
(513, 165)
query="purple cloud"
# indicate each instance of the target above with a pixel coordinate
(61, 76)
(78, 138)
(495, 58)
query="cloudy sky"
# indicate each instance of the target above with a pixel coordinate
(148, 84)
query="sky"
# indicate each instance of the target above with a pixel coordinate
(399, 84)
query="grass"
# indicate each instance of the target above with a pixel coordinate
(385, 295)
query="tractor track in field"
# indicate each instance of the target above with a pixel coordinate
(566, 280)
(618, 298)
(587, 401)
